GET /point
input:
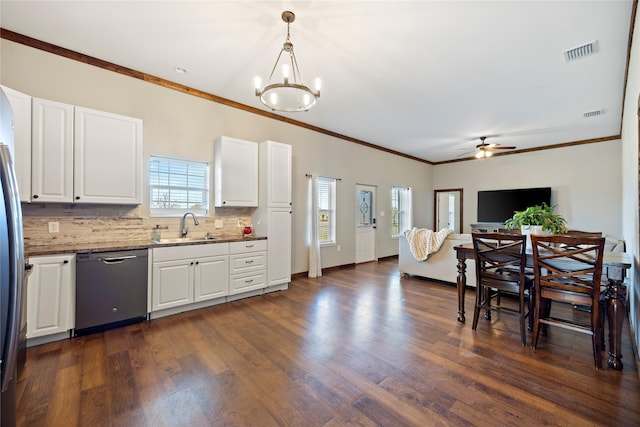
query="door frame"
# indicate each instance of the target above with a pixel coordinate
(436, 207)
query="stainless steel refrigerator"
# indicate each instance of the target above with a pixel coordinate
(12, 270)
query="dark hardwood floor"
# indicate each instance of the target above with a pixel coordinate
(359, 346)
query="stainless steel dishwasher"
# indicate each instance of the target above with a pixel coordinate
(111, 289)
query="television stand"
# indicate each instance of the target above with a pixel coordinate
(484, 227)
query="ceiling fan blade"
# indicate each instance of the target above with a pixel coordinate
(467, 153)
(500, 147)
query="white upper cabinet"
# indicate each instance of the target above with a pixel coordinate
(275, 174)
(21, 107)
(81, 155)
(236, 172)
(107, 158)
(52, 151)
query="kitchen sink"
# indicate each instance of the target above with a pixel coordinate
(175, 240)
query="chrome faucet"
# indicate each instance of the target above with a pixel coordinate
(185, 229)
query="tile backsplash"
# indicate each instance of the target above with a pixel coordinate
(116, 223)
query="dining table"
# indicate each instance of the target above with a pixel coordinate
(614, 266)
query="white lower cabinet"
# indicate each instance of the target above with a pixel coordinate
(209, 278)
(248, 266)
(187, 274)
(51, 295)
(172, 284)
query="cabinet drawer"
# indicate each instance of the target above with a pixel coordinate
(248, 246)
(251, 261)
(170, 253)
(247, 282)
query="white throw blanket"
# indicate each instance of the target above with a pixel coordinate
(423, 242)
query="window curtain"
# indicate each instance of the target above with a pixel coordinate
(315, 260)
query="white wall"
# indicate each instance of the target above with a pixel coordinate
(585, 182)
(177, 124)
(630, 178)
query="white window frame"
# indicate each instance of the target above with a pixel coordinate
(327, 206)
(404, 209)
(179, 163)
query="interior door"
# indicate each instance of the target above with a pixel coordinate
(365, 223)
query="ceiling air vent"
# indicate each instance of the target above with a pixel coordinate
(592, 113)
(581, 51)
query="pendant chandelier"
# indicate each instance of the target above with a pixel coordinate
(290, 94)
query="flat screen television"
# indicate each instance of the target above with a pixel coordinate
(499, 205)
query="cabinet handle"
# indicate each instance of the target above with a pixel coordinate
(66, 261)
(248, 281)
(249, 261)
(114, 309)
(191, 263)
(35, 196)
(197, 262)
(77, 197)
(248, 246)
(224, 202)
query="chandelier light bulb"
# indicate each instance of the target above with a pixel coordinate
(306, 99)
(285, 71)
(317, 83)
(273, 98)
(257, 81)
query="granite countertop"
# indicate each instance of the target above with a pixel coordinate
(66, 248)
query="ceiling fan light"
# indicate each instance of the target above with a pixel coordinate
(488, 154)
(479, 155)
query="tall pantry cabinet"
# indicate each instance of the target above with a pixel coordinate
(273, 216)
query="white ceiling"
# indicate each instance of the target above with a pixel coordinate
(424, 78)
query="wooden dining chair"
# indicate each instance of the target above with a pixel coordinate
(500, 268)
(568, 269)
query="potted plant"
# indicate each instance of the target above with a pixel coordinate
(538, 215)
(537, 219)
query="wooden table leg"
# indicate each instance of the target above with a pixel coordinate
(615, 295)
(461, 282)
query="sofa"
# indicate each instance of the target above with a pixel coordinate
(443, 264)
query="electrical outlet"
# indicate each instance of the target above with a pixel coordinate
(218, 223)
(54, 227)
(240, 222)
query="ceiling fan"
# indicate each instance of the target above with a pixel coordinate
(484, 150)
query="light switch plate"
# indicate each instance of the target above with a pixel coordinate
(54, 227)
(218, 223)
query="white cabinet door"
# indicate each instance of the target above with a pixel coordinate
(52, 151)
(236, 172)
(172, 284)
(279, 244)
(211, 278)
(107, 158)
(21, 107)
(276, 173)
(50, 295)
